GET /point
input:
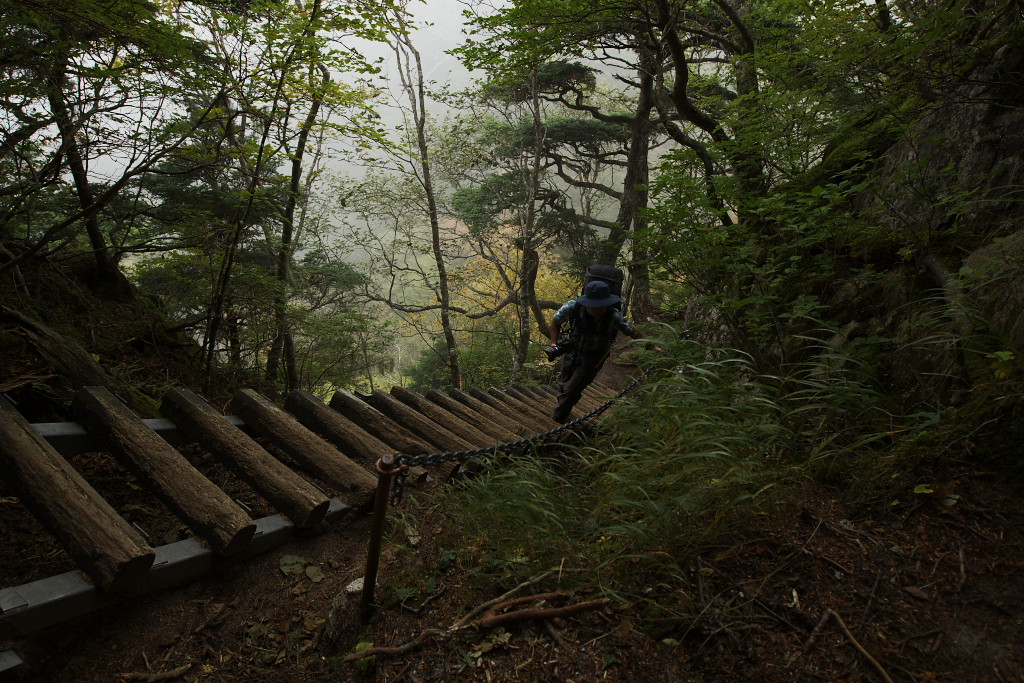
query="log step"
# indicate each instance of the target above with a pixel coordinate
(434, 434)
(102, 543)
(305, 447)
(326, 441)
(207, 510)
(453, 423)
(282, 487)
(484, 407)
(348, 436)
(400, 439)
(470, 416)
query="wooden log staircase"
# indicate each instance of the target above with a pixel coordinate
(279, 453)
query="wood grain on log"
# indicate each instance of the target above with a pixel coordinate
(484, 407)
(336, 428)
(295, 497)
(305, 447)
(387, 430)
(515, 412)
(543, 422)
(444, 418)
(101, 542)
(433, 433)
(207, 510)
(470, 416)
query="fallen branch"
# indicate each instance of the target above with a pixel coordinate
(398, 649)
(215, 614)
(162, 676)
(501, 598)
(490, 619)
(817, 630)
(963, 571)
(526, 598)
(552, 632)
(860, 648)
(537, 613)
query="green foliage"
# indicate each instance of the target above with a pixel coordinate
(683, 464)
(482, 206)
(485, 356)
(430, 370)
(518, 36)
(503, 512)
(550, 78)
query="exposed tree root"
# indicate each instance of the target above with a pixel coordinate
(491, 618)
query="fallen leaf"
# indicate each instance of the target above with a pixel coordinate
(918, 593)
(624, 629)
(292, 564)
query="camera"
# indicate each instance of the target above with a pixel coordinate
(563, 346)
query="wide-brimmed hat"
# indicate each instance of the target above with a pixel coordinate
(597, 294)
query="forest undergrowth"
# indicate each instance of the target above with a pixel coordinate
(721, 524)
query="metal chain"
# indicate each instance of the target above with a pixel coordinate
(403, 462)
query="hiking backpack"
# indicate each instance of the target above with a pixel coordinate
(610, 275)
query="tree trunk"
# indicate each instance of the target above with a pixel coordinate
(73, 363)
(109, 277)
(529, 261)
(413, 82)
(634, 185)
(284, 341)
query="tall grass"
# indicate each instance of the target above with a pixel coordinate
(695, 452)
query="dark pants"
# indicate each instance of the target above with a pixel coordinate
(573, 380)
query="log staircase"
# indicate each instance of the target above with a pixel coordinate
(288, 456)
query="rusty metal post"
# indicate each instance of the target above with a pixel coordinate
(386, 470)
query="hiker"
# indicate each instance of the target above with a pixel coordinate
(595, 321)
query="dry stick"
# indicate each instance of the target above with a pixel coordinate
(397, 650)
(483, 622)
(963, 570)
(216, 612)
(833, 563)
(849, 636)
(500, 599)
(526, 598)
(430, 599)
(871, 598)
(786, 560)
(163, 676)
(772, 613)
(467, 621)
(538, 613)
(552, 632)
(817, 630)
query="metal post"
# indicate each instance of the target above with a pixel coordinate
(386, 469)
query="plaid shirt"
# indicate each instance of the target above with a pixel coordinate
(591, 337)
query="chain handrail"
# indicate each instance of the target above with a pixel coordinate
(394, 470)
(403, 462)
